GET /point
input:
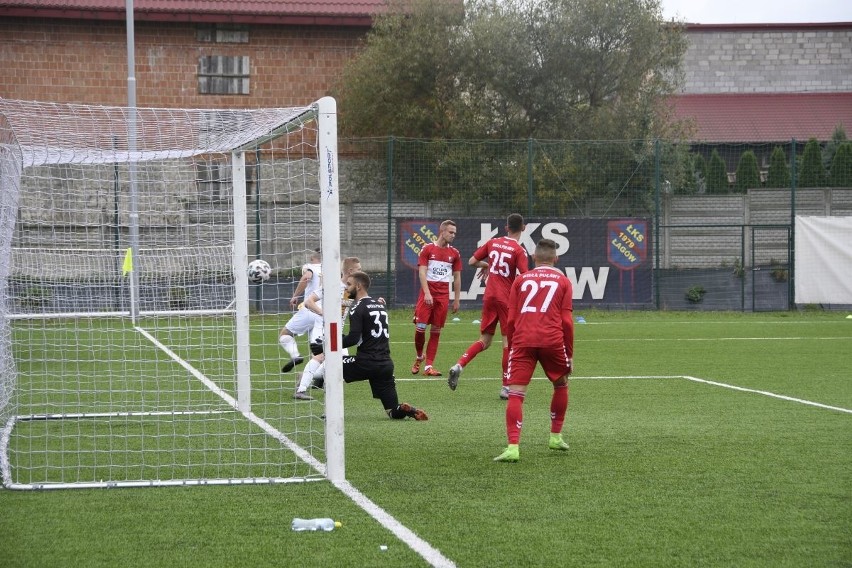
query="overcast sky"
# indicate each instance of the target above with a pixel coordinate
(758, 11)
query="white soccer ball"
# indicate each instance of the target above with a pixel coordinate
(259, 271)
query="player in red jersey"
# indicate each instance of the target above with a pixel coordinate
(540, 330)
(439, 264)
(499, 259)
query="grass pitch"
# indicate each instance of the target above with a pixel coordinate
(697, 439)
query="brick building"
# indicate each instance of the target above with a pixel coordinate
(256, 53)
(189, 53)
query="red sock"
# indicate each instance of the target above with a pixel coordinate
(505, 366)
(475, 348)
(432, 346)
(558, 408)
(514, 416)
(419, 341)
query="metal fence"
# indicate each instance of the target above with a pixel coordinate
(719, 218)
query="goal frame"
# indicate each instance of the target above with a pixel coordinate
(324, 112)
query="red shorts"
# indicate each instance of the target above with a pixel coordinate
(435, 315)
(522, 362)
(494, 311)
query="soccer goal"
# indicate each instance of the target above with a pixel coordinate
(134, 351)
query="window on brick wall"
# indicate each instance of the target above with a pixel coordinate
(215, 184)
(221, 33)
(223, 75)
(213, 180)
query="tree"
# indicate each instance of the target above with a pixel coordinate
(699, 166)
(748, 173)
(717, 174)
(812, 173)
(579, 69)
(779, 171)
(404, 81)
(841, 166)
(838, 137)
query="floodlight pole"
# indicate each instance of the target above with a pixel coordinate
(131, 163)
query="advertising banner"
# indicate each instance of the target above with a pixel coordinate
(823, 264)
(607, 260)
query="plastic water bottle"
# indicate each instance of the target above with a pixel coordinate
(315, 524)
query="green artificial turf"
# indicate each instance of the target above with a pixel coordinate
(663, 470)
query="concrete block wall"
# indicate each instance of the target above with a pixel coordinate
(763, 59)
(699, 231)
(712, 231)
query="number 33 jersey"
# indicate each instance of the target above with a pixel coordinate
(368, 329)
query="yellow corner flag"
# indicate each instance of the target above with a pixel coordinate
(128, 262)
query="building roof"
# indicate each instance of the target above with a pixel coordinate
(305, 12)
(764, 117)
(767, 27)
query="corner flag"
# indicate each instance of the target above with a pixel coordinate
(128, 262)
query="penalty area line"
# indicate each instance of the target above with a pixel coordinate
(537, 379)
(769, 394)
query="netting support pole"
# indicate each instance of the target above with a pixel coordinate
(240, 262)
(332, 294)
(131, 148)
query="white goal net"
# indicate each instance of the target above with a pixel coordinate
(133, 349)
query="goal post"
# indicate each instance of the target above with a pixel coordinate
(133, 349)
(331, 262)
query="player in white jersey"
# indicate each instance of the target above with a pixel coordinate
(313, 302)
(304, 319)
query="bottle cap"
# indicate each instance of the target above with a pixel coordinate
(337, 524)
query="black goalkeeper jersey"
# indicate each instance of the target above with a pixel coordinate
(368, 329)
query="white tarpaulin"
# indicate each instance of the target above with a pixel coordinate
(823, 260)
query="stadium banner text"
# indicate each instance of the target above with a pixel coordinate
(607, 260)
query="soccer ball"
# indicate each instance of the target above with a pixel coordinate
(259, 271)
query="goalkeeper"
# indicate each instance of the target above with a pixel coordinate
(368, 330)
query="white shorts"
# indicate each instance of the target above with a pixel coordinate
(303, 321)
(317, 332)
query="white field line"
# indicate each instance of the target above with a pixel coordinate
(770, 394)
(463, 378)
(659, 339)
(627, 339)
(429, 553)
(252, 417)
(652, 377)
(633, 323)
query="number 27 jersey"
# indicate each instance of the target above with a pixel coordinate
(540, 310)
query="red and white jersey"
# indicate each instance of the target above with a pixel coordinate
(506, 258)
(540, 310)
(440, 263)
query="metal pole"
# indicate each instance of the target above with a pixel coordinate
(257, 251)
(657, 215)
(390, 227)
(791, 247)
(131, 149)
(116, 219)
(530, 177)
